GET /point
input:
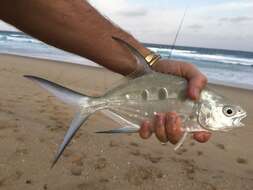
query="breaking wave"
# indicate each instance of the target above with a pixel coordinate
(220, 66)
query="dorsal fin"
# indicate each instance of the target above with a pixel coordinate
(142, 67)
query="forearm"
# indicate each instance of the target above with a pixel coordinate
(74, 26)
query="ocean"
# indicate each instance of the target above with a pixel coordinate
(227, 67)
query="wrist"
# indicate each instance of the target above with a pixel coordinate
(151, 57)
(129, 59)
(160, 65)
(144, 51)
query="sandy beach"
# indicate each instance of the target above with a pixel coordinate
(33, 123)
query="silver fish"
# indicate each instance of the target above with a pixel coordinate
(144, 94)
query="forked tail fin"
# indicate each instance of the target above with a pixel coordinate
(71, 97)
(76, 123)
(66, 95)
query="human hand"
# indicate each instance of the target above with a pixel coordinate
(167, 126)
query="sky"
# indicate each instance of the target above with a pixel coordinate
(226, 24)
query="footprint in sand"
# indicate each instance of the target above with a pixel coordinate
(200, 153)
(103, 180)
(250, 172)
(13, 177)
(137, 175)
(78, 135)
(241, 161)
(45, 186)
(2, 182)
(134, 144)
(135, 152)
(42, 140)
(188, 165)
(8, 125)
(20, 139)
(149, 157)
(91, 185)
(21, 151)
(100, 164)
(20, 97)
(54, 128)
(181, 151)
(114, 143)
(77, 160)
(67, 153)
(9, 112)
(221, 146)
(153, 159)
(28, 181)
(42, 110)
(39, 101)
(208, 185)
(76, 170)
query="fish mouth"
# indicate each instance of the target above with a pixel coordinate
(237, 122)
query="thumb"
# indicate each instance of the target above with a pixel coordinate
(196, 84)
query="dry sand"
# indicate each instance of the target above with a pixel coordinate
(33, 123)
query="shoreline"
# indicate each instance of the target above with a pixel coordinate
(89, 63)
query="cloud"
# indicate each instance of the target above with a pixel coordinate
(231, 6)
(114, 7)
(203, 25)
(5, 26)
(149, 24)
(133, 13)
(238, 19)
(196, 27)
(216, 23)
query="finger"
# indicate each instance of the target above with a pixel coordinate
(159, 125)
(195, 85)
(196, 80)
(145, 130)
(202, 137)
(173, 127)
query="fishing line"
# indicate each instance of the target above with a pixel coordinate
(178, 31)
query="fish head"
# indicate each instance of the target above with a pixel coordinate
(221, 117)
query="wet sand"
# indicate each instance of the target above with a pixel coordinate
(33, 123)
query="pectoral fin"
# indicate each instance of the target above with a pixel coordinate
(121, 130)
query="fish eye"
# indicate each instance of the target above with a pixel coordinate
(228, 111)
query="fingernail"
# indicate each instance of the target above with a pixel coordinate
(196, 93)
(160, 120)
(172, 119)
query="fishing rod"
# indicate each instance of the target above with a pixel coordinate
(178, 31)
